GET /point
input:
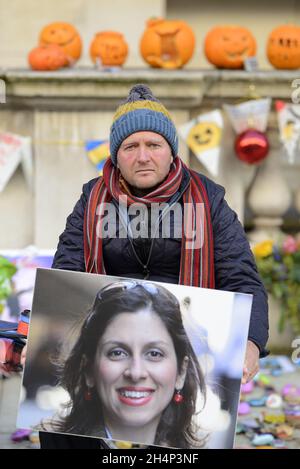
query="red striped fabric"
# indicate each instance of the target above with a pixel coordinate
(197, 260)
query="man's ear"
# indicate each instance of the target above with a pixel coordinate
(180, 380)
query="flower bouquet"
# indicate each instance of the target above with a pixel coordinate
(279, 267)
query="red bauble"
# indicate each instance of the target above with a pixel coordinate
(251, 146)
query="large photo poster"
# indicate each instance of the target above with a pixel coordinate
(132, 360)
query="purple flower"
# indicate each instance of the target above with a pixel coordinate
(276, 254)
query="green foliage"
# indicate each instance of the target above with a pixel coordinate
(7, 270)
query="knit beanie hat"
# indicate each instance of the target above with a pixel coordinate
(141, 112)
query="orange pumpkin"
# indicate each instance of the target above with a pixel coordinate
(167, 43)
(109, 48)
(283, 47)
(47, 57)
(228, 46)
(65, 36)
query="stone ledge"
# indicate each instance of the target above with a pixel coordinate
(88, 88)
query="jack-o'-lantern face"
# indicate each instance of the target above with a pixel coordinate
(109, 49)
(229, 46)
(167, 43)
(204, 136)
(65, 36)
(283, 47)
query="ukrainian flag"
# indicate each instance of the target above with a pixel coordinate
(97, 152)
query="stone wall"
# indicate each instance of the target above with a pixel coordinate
(21, 22)
(61, 110)
(257, 15)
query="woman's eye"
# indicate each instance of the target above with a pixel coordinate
(155, 354)
(115, 354)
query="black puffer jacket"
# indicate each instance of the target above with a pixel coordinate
(235, 268)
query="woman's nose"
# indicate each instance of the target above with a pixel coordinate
(136, 370)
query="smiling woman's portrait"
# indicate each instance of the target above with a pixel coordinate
(132, 374)
(132, 363)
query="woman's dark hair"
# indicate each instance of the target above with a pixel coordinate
(175, 428)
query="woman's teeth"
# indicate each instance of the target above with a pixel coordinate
(135, 394)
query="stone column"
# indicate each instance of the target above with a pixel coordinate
(269, 198)
(62, 167)
(278, 341)
(297, 200)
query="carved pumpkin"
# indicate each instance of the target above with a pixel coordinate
(283, 47)
(229, 46)
(109, 48)
(167, 43)
(47, 57)
(65, 36)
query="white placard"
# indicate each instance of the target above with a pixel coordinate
(250, 114)
(14, 150)
(203, 136)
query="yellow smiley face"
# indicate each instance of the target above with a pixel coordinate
(204, 136)
(288, 130)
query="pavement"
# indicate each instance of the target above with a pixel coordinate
(244, 440)
(10, 389)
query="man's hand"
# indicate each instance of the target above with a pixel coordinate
(251, 365)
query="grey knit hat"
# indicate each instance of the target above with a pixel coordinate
(141, 112)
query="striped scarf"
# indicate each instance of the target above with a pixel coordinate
(197, 261)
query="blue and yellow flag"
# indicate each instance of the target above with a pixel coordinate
(97, 152)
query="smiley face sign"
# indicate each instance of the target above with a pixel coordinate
(204, 136)
(288, 130)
